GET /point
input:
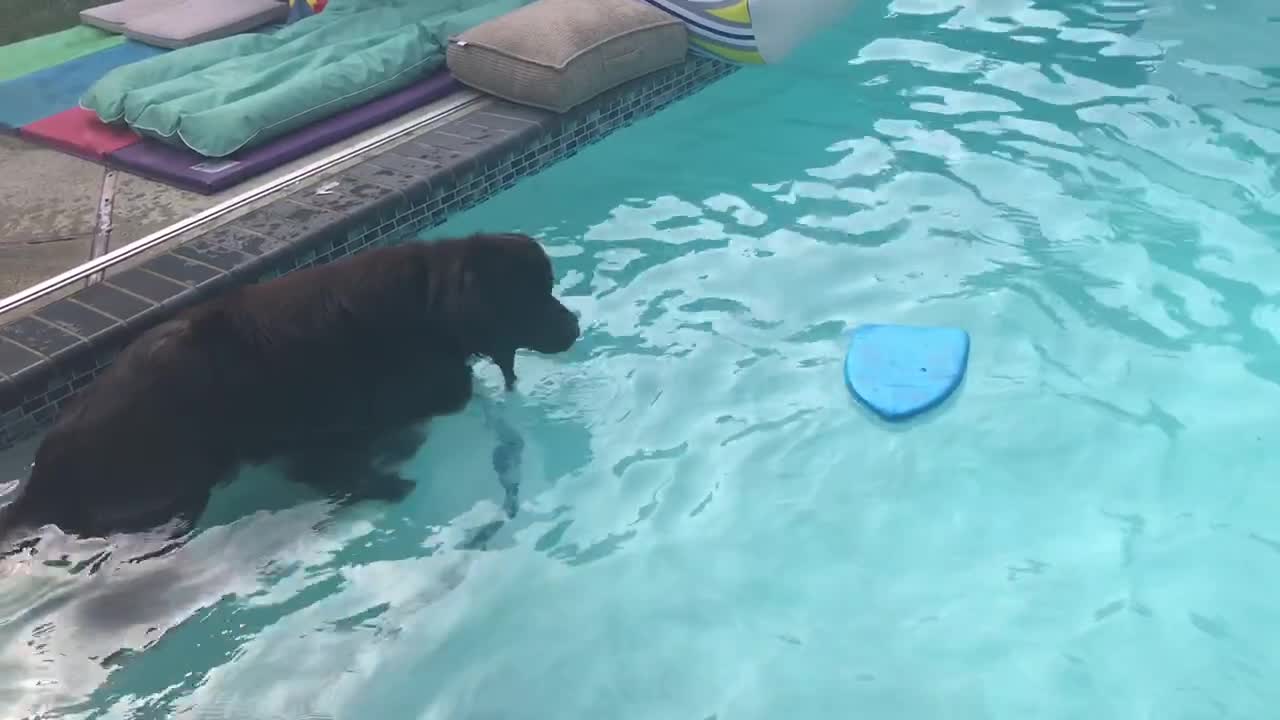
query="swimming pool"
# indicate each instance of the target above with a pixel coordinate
(709, 526)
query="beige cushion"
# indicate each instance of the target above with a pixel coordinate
(113, 17)
(556, 54)
(188, 22)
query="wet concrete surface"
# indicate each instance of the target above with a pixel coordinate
(49, 205)
(49, 211)
(45, 196)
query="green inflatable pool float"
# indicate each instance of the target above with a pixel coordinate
(237, 92)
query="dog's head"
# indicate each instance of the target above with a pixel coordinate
(505, 289)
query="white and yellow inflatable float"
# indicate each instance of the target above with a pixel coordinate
(753, 31)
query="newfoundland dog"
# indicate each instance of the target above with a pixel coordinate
(331, 369)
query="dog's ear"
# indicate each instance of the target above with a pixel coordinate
(505, 359)
(485, 277)
(471, 314)
(479, 281)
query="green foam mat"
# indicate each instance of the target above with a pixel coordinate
(28, 56)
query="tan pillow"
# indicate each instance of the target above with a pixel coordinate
(556, 54)
(114, 17)
(189, 22)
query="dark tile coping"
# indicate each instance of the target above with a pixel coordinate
(49, 355)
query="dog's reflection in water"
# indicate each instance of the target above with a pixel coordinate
(74, 609)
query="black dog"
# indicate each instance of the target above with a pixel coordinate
(330, 369)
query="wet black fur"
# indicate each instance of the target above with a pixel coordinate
(331, 369)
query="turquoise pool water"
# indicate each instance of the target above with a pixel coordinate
(710, 528)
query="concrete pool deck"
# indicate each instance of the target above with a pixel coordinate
(53, 218)
(49, 211)
(411, 179)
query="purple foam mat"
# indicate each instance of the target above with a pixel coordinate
(186, 169)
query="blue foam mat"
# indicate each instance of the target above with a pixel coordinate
(47, 92)
(900, 371)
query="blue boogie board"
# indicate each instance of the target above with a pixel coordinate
(900, 371)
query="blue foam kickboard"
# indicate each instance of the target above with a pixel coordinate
(47, 92)
(900, 371)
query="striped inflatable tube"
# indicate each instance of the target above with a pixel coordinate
(719, 27)
(753, 32)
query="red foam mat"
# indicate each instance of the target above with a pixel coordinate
(80, 132)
